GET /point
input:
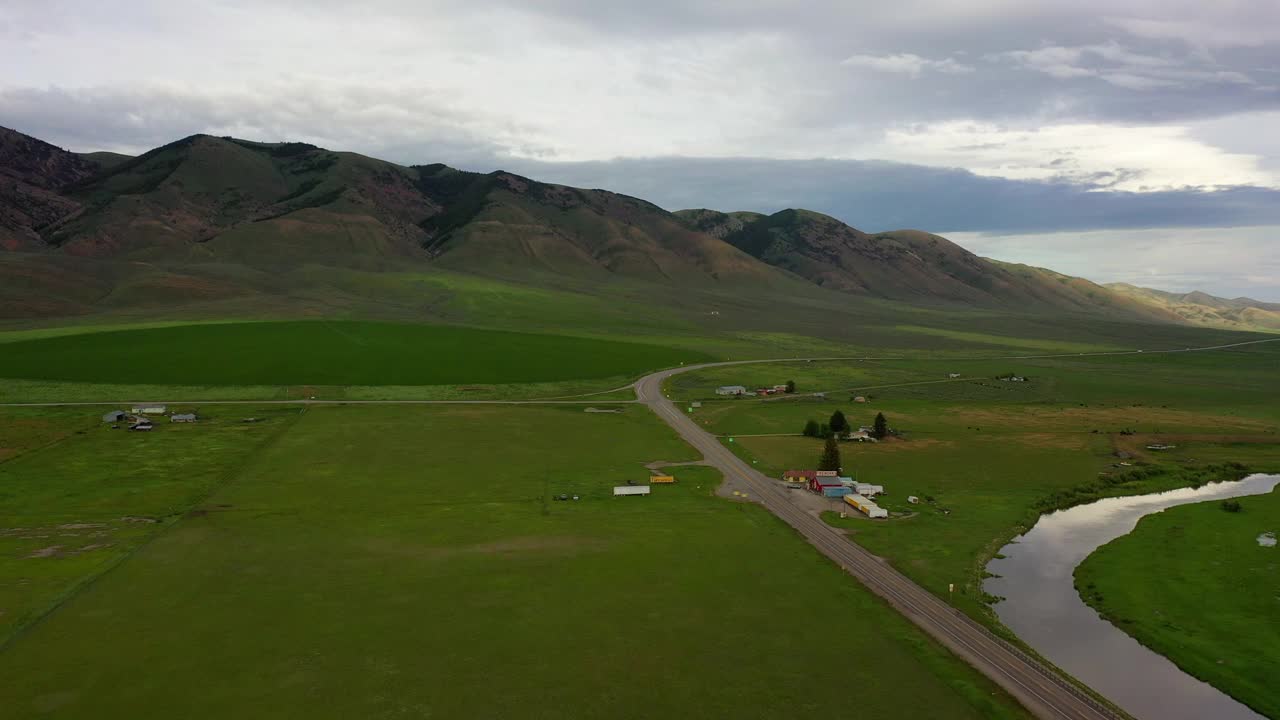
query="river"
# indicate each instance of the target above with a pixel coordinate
(1041, 605)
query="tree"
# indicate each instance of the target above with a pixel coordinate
(880, 427)
(791, 386)
(824, 430)
(1232, 506)
(838, 422)
(830, 459)
(811, 429)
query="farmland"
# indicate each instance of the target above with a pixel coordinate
(989, 455)
(1193, 583)
(390, 560)
(327, 353)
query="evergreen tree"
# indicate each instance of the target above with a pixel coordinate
(824, 430)
(830, 459)
(811, 429)
(881, 427)
(838, 423)
(791, 386)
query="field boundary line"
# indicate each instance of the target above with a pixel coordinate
(86, 583)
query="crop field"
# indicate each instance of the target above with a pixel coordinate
(385, 561)
(988, 455)
(1194, 584)
(327, 353)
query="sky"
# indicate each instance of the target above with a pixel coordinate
(1121, 140)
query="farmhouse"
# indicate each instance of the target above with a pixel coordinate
(113, 416)
(861, 436)
(182, 417)
(149, 409)
(631, 490)
(731, 390)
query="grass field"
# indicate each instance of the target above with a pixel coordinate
(327, 353)
(1193, 583)
(995, 454)
(409, 561)
(77, 496)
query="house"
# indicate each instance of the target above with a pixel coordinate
(953, 376)
(145, 409)
(114, 416)
(779, 388)
(631, 490)
(182, 417)
(861, 436)
(731, 390)
(662, 479)
(799, 476)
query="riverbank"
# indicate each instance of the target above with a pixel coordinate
(1193, 584)
(1034, 574)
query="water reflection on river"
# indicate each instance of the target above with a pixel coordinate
(1041, 605)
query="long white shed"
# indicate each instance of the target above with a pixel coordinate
(631, 490)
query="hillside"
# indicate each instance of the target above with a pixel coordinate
(906, 265)
(210, 220)
(1199, 308)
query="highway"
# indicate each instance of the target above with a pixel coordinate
(1040, 688)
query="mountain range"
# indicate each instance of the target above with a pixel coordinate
(207, 218)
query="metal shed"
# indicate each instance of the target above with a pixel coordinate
(631, 490)
(114, 416)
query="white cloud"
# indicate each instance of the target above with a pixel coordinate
(906, 63)
(1130, 158)
(1120, 66)
(1227, 262)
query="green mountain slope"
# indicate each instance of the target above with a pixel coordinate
(906, 265)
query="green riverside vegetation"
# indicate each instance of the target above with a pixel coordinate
(1193, 583)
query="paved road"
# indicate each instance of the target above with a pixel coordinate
(1039, 688)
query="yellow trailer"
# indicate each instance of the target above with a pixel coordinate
(661, 479)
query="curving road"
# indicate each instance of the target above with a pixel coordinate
(1039, 688)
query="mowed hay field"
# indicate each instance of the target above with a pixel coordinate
(327, 353)
(1194, 584)
(395, 561)
(996, 454)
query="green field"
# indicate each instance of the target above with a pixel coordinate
(410, 561)
(327, 353)
(996, 454)
(1193, 584)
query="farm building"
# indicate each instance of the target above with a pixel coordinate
(867, 507)
(953, 376)
(182, 417)
(731, 390)
(143, 426)
(799, 476)
(835, 491)
(149, 409)
(861, 436)
(822, 482)
(662, 479)
(631, 490)
(867, 489)
(695, 404)
(113, 416)
(913, 499)
(859, 399)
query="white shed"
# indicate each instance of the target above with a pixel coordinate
(631, 490)
(731, 390)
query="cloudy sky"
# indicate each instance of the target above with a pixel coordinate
(1126, 140)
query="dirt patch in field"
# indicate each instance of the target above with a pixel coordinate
(1068, 441)
(899, 445)
(1102, 418)
(51, 551)
(531, 544)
